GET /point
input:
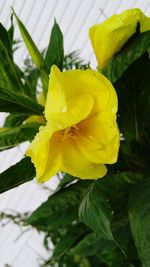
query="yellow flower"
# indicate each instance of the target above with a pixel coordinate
(81, 134)
(108, 37)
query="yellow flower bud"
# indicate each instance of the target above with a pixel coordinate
(108, 37)
(35, 118)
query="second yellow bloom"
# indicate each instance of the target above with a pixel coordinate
(108, 37)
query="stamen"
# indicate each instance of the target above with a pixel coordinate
(70, 132)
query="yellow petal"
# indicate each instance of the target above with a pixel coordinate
(68, 85)
(77, 110)
(91, 82)
(53, 162)
(97, 148)
(55, 102)
(108, 37)
(99, 135)
(44, 149)
(74, 162)
(39, 149)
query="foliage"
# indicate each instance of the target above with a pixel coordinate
(73, 61)
(14, 217)
(104, 223)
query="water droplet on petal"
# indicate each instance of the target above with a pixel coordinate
(64, 109)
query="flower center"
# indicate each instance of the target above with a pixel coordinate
(71, 131)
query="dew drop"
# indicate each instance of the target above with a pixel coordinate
(64, 109)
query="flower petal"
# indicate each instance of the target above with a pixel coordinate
(108, 37)
(99, 144)
(78, 109)
(39, 149)
(99, 135)
(45, 148)
(74, 162)
(53, 162)
(91, 82)
(55, 101)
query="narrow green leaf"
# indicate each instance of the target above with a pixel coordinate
(29, 130)
(45, 80)
(17, 103)
(9, 77)
(31, 83)
(35, 54)
(13, 120)
(69, 240)
(55, 51)
(10, 137)
(136, 46)
(4, 37)
(139, 216)
(11, 32)
(17, 174)
(96, 212)
(33, 50)
(7, 106)
(60, 209)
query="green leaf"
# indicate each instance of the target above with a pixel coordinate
(139, 216)
(96, 212)
(17, 174)
(33, 50)
(11, 32)
(133, 49)
(4, 37)
(104, 208)
(69, 239)
(90, 245)
(7, 106)
(117, 189)
(104, 252)
(9, 77)
(134, 99)
(73, 61)
(16, 103)
(67, 179)
(14, 120)
(31, 83)
(10, 137)
(60, 209)
(45, 80)
(117, 186)
(55, 51)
